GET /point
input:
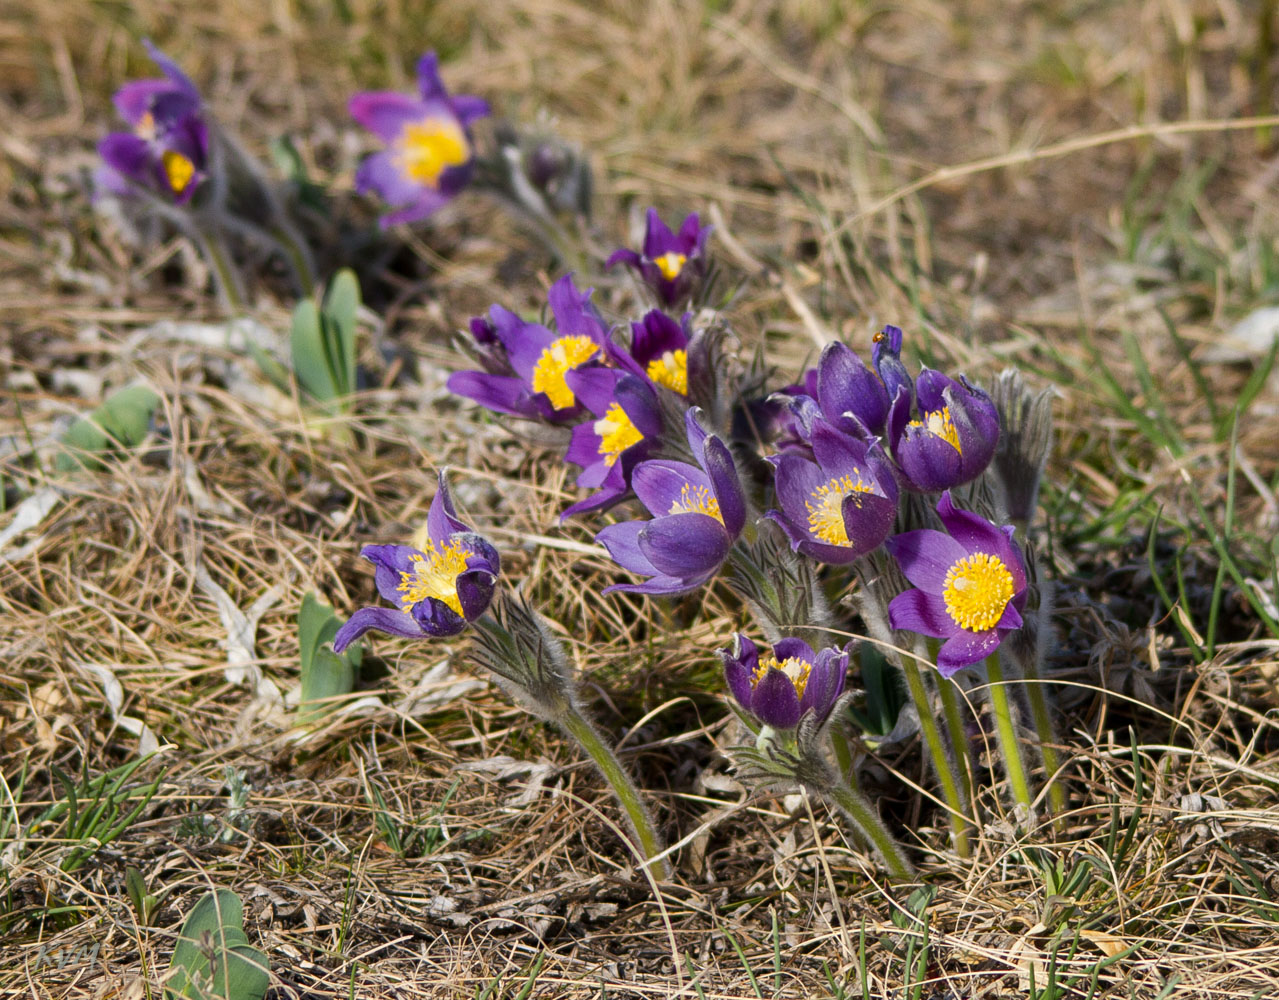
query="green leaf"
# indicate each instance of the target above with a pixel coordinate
(213, 958)
(341, 305)
(310, 357)
(122, 421)
(325, 674)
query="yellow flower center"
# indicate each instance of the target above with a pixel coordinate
(939, 422)
(434, 573)
(697, 500)
(671, 370)
(558, 359)
(793, 667)
(670, 264)
(178, 170)
(826, 511)
(976, 591)
(617, 433)
(427, 148)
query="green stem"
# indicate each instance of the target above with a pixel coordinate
(588, 737)
(228, 285)
(1041, 713)
(298, 258)
(1006, 734)
(950, 785)
(953, 712)
(867, 822)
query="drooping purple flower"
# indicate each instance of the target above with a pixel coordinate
(628, 428)
(697, 515)
(951, 440)
(672, 264)
(841, 506)
(438, 585)
(659, 350)
(167, 150)
(851, 396)
(970, 585)
(429, 157)
(780, 689)
(537, 359)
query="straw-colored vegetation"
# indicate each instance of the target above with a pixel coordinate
(429, 840)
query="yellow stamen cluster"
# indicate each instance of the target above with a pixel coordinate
(977, 590)
(671, 370)
(425, 149)
(556, 361)
(616, 432)
(697, 500)
(826, 512)
(434, 573)
(178, 170)
(670, 264)
(793, 667)
(939, 422)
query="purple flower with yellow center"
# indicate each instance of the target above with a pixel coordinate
(672, 264)
(429, 157)
(538, 358)
(627, 428)
(441, 582)
(851, 396)
(780, 689)
(952, 438)
(971, 585)
(167, 150)
(659, 351)
(841, 506)
(697, 515)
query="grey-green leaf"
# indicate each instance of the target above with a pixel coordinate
(121, 421)
(310, 356)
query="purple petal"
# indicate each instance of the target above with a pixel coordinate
(475, 592)
(502, 393)
(868, 520)
(640, 404)
(921, 612)
(390, 562)
(965, 649)
(1010, 619)
(846, 385)
(659, 585)
(385, 113)
(425, 205)
(441, 519)
(437, 619)
(663, 484)
(788, 648)
(774, 701)
(685, 544)
(381, 619)
(738, 676)
(380, 174)
(128, 155)
(170, 69)
(595, 388)
(692, 236)
(975, 534)
(429, 84)
(623, 256)
(728, 488)
(926, 556)
(658, 238)
(134, 100)
(622, 542)
(825, 683)
(469, 108)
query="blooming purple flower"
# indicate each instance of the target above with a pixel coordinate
(841, 506)
(952, 439)
(697, 515)
(439, 585)
(970, 585)
(672, 263)
(538, 360)
(628, 428)
(780, 689)
(429, 157)
(659, 351)
(167, 150)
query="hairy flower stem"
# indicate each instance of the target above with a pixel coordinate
(953, 713)
(645, 832)
(867, 822)
(1041, 714)
(952, 790)
(1006, 734)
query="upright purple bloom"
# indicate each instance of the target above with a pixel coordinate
(951, 440)
(168, 148)
(885, 356)
(659, 351)
(781, 689)
(697, 515)
(851, 396)
(429, 157)
(627, 429)
(672, 264)
(439, 585)
(841, 506)
(538, 359)
(970, 585)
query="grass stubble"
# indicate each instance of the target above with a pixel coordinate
(441, 844)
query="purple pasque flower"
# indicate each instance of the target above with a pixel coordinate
(167, 150)
(429, 157)
(537, 359)
(697, 515)
(951, 440)
(627, 428)
(440, 583)
(672, 264)
(850, 395)
(840, 506)
(970, 585)
(659, 350)
(886, 357)
(780, 689)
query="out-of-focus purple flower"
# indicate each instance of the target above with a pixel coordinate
(429, 157)
(168, 148)
(538, 360)
(841, 506)
(697, 515)
(659, 350)
(439, 585)
(780, 689)
(851, 396)
(672, 264)
(971, 585)
(952, 439)
(628, 428)
(885, 356)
